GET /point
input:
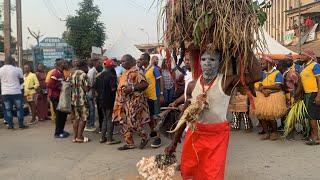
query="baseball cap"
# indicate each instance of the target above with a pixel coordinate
(109, 63)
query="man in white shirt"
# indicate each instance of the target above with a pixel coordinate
(119, 69)
(11, 78)
(90, 127)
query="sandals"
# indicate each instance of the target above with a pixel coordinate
(103, 140)
(312, 142)
(113, 142)
(84, 140)
(125, 147)
(265, 137)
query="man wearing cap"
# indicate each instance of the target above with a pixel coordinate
(106, 87)
(310, 78)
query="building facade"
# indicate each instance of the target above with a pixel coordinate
(283, 16)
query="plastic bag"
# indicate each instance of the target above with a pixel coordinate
(65, 97)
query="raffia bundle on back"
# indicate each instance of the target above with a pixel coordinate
(231, 26)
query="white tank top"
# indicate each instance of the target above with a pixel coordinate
(218, 101)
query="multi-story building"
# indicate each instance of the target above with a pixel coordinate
(283, 16)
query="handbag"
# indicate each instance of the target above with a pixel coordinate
(64, 104)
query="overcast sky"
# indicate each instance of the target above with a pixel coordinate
(126, 15)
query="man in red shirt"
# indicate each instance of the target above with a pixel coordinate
(54, 88)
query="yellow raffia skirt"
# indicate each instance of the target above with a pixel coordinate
(269, 108)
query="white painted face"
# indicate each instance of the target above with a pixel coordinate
(210, 64)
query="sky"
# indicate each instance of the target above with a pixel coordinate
(129, 16)
(47, 17)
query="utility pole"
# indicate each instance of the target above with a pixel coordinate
(7, 27)
(299, 26)
(19, 33)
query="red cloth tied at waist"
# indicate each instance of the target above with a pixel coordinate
(204, 152)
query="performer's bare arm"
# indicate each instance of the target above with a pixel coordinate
(181, 99)
(177, 136)
(273, 87)
(254, 75)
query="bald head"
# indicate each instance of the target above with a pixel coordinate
(127, 61)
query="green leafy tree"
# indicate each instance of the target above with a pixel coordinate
(85, 29)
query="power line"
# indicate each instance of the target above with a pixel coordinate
(132, 3)
(53, 8)
(56, 5)
(50, 11)
(67, 6)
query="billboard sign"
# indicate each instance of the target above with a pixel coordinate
(50, 49)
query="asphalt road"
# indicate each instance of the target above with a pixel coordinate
(34, 154)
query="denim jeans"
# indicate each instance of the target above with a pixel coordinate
(9, 101)
(92, 112)
(168, 95)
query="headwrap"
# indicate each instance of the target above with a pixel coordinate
(288, 56)
(269, 60)
(309, 53)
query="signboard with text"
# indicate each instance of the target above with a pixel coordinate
(50, 49)
(288, 38)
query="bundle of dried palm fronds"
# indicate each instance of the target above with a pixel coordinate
(296, 115)
(231, 26)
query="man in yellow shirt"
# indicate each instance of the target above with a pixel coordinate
(53, 115)
(310, 78)
(153, 75)
(31, 84)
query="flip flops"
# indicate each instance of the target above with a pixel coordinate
(113, 142)
(312, 142)
(84, 140)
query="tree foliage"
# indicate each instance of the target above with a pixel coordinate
(85, 29)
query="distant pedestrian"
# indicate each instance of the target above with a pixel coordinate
(42, 99)
(31, 85)
(11, 78)
(119, 69)
(54, 87)
(80, 108)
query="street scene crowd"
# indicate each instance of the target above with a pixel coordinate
(130, 93)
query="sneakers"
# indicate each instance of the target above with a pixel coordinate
(281, 128)
(156, 143)
(90, 129)
(23, 127)
(143, 143)
(62, 135)
(5, 122)
(66, 133)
